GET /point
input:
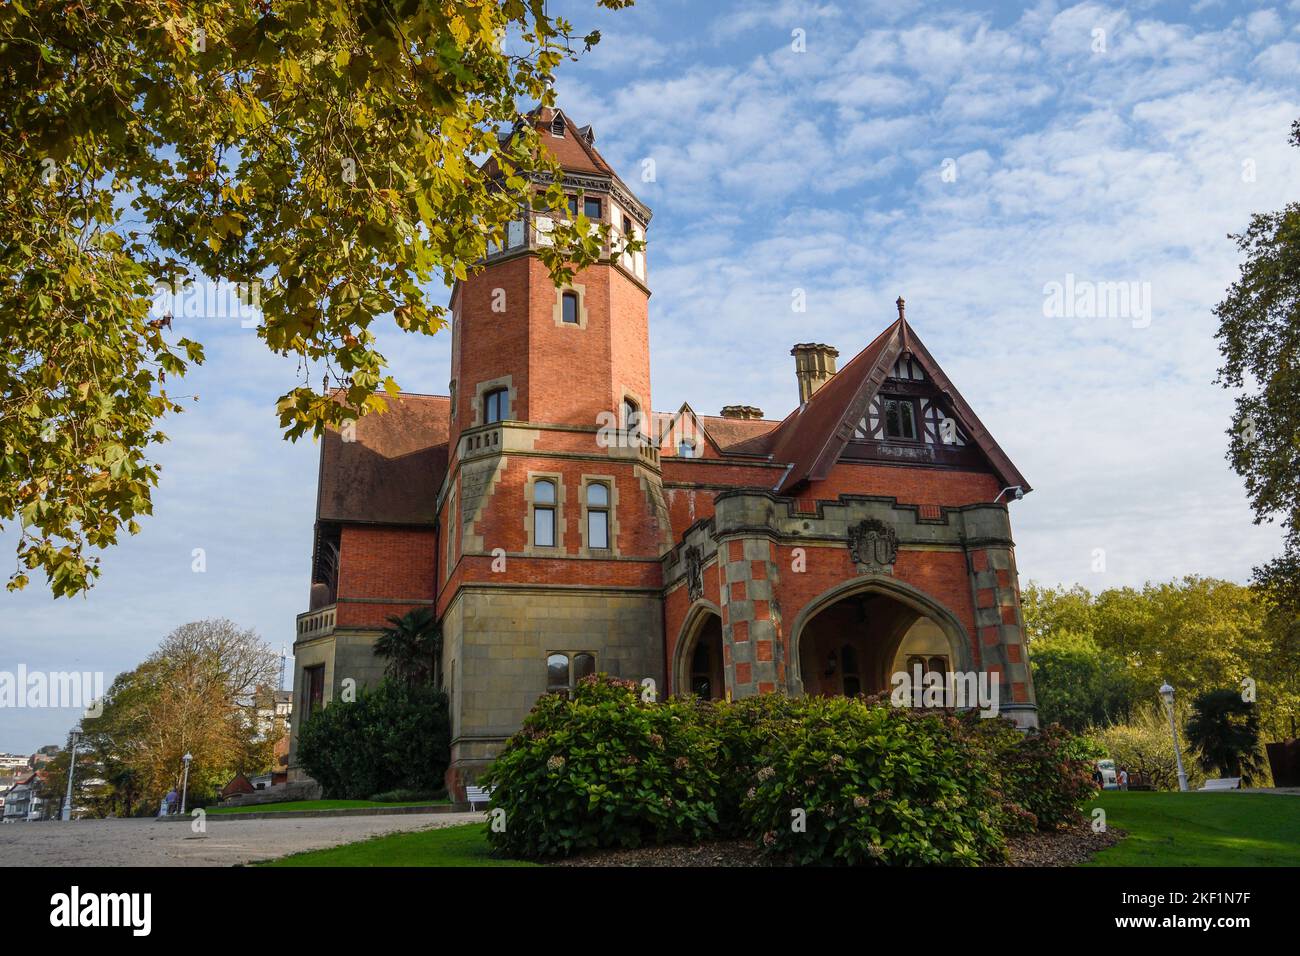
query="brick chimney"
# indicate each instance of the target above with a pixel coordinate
(814, 364)
(745, 412)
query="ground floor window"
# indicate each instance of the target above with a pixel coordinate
(564, 670)
(313, 689)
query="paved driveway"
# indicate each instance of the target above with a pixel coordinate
(227, 842)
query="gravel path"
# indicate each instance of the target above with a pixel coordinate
(227, 842)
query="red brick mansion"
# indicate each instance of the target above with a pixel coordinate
(559, 527)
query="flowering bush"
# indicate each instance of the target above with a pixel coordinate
(604, 769)
(815, 780)
(1043, 777)
(845, 781)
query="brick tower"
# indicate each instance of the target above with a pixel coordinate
(551, 520)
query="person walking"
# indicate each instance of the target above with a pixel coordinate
(1123, 778)
(172, 797)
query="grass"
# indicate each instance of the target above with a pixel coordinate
(1201, 829)
(321, 805)
(446, 846)
(1164, 829)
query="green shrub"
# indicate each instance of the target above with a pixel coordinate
(391, 737)
(604, 770)
(1042, 777)
(874, 784)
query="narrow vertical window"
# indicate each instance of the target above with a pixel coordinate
(591, 207)
(597, 516)
(570, 304)
(631, 416)
(557, 674)
(544, 514)
(584, 665)
(495, 405)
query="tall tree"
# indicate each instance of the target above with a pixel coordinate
(199, 693)
(1225, 729)
(331, 158)
(1259, 341)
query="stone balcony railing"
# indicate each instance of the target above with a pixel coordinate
(316, 623)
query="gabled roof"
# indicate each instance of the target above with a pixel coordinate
(739, 436)
(392, 472)
(813, 437)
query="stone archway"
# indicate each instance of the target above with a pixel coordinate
(698, 665)
(847, 640)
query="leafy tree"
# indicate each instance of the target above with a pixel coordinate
(412, 645)
(332, 158)
(1225, 729)
(1259, 341)
(197, 694)
(1143, 744)
(1077, 683)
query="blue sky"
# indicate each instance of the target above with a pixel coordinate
(964, 158)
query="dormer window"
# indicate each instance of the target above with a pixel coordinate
(686, 448)
(900, 419)
(557, 125)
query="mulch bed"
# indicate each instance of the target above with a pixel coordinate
(1065, 847)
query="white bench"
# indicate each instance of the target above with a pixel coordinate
(1224, 783)
(478, 795)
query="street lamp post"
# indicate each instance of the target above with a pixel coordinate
(72, 769)
(185, 781)
(1167, 693)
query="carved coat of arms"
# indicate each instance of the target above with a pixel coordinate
(694, 573)
(874, 545)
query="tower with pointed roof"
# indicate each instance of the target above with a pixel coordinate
(557, 527)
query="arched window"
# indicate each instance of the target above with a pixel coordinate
(496, 405)
(631, 416)
(597, 516)
(570, 307)
(557, 674)
(686, 448)
(544, 513)
(584, 665)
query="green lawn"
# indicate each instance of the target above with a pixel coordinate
(447, 846)
(321, 805)
(1201, 829)
(1164, 829)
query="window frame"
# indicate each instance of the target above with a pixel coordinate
(600, 208)
(539, 508)
(570, 658)
(605, 510)
(566, 297)
(502, 395)
(914, 417)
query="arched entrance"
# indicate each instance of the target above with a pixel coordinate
(698, 669)
(853, 638)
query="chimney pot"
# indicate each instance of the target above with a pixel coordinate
(744, 412)
(814, 364)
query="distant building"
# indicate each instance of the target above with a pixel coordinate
(23, 801)
(12, 762)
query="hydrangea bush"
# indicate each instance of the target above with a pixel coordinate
(813, 780)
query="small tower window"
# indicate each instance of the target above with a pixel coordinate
(631, 416)
(495, 405)
(597, 516)
(544, 513)
(570, 307)
(900, 419)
